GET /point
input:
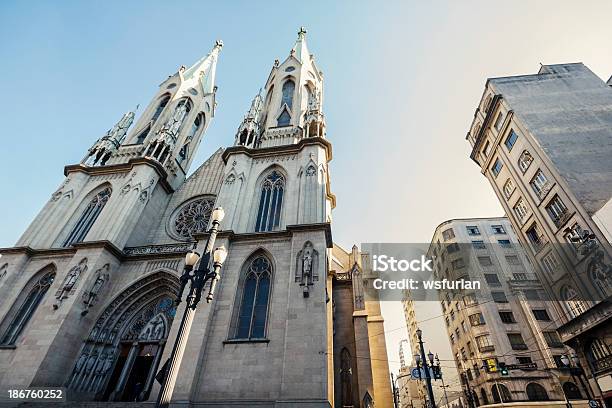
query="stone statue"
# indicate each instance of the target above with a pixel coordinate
(306, 267)
(90, 297)
(69, 282)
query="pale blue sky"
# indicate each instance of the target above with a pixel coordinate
(402, 80)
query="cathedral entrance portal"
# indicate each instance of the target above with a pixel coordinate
(122, 354)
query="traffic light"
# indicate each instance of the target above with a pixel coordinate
(502, 368)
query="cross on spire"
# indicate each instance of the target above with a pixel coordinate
(302, 33)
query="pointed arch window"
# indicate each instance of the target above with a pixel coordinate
(255, 296)
(288, 91)
(25, 306)
(346, 378)
(284, 119)
(88, 217)
(160, 107)
(270, 202)
(197, 124)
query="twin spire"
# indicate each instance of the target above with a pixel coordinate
(205, 69)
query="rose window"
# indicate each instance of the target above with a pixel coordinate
(193, 217)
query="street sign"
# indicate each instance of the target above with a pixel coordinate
(525, 366)
(419, 373)
(594, 404)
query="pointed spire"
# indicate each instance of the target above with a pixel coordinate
(300, 50)
(205, 69)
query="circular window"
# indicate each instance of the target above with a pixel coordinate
(192, 217)
(289, 69)
(193, 91)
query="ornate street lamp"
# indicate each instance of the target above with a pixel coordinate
(198, 279)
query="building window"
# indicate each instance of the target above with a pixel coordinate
(487, 148)
(557, 211)
(346, 378)
(541, 314)
(498, 229)
(458, 264)
(284, 118)
(254, 300)
(484, 343)
(552, 339)
(511, 140)
(504, 243)
(539, 184)
(531, 294)
(525, 161)
(478, 244)
(501, 393)
(506, 317)
(472, 230)
(464, 326)
(524, 360)
(520, 209)
(508, 188)
(485, 261)
(143, 135)
(477, 319)
(270, 202)
(535, 392)
(516, 341)
(26, 304)
(288, 91)
(88, 218)
(499, 297)
(160, 107)
(497, 167)
(197, 124)
(535, 237)
(498, 120)
(448, 234)
(513, 260)
(452, 248)
(550, 264)
(469, 300)
(452, 338)
(458, 334)
(492, 280)
(573, 302)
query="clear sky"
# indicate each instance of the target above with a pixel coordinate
(402, 80)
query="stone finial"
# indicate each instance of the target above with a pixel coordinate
(302, 33)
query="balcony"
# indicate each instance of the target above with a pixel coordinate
(602, 365)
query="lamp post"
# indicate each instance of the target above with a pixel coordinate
(197, 279)
(432, 400)
(565, 360)
(444, 387)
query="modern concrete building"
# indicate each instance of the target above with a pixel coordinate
(544, 141)
(506, 321)
(87, 294)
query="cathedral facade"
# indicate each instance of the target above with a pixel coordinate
(87, 295)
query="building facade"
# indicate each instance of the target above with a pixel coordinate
(410, 392)
(544, 142)
(507, 321)
(88, 291)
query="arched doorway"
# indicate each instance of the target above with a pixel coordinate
(500, 390)
(571, 391)
(535, 392)
(119, 359)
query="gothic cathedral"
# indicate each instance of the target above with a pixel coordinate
(87, 295)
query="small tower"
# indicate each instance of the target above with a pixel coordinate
(108, 144)
(292, 107)
(250, 129)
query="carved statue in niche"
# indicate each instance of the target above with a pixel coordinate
(69, 282)
(90, 297)
(307, 268)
